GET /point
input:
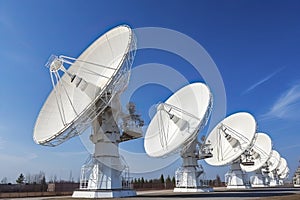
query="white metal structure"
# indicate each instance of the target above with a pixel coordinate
(175, 127)
(284, 175)
(255, 159)
(86, 93)
(282, 171)
(282, 166)
(296, 177)
(271, 168)
(229, 140)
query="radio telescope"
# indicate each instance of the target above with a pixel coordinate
(259, 154)
(229, 140)
(86, 93)
(296, 177)
(284, 175)
(281, 171)
(175, 127)
(271, 168)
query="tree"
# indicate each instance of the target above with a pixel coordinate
(4, 180)
(162, 179)
(71, 179)
(218, 182)
(173, 180)
(28, 178)
(20, 179)
(43, 184)
(55, 178)
(168, 180)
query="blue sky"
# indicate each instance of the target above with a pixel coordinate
(255, 45)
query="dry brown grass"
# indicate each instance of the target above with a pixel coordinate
(285, 197)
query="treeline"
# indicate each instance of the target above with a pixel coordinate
(37, 183)
(160, 183)
(36, 178)
(169, 183)
(136, 183)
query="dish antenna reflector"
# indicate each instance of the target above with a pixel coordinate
(282, 171)
(178, 120)
(229, 140)
(175, 127)
(86, 88)
(86, 93)
(273, 162)
(259, 154)
(282, 166)
(283, 176)
(271, 168)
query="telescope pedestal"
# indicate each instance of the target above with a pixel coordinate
(236, 178)
(274, 181)
(188, 176)
(102, 176)
(259, 180)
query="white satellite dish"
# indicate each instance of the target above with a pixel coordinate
(86, 92)
(271, 168)
(93, 77)
(175, 127)
(259, 154)
(274, 161)
(229, 140)
(282, 171)
(282, 166)
(284, 174)
(178, 120)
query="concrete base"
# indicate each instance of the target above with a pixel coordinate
(236, 178)
(259, 186)
(202, 189)
(238, 187)
(103, 193)
(296, 185)
(273, 183)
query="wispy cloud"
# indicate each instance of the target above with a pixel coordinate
(255, 85)
(2, 143)
(287, 106)
(290, 147)
(17, 158)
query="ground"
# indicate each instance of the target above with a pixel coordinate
(220, 193)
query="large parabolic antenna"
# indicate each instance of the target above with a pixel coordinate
(282, 166)
(100, 72)
(271, 168)
(258, 155)
(175, 127)
(229, 140)
(274, 161)
(86, 92)
(178, 120)
(282, 171)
